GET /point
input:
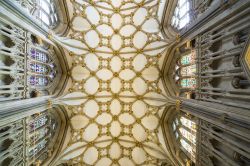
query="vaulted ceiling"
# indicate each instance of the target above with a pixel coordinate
(116, 96)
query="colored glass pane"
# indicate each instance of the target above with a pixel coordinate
(38, 68)
(37, 123)
(188, 123)
(188, 70)
(38, 81)
(188, 59)
(189, 136)
(36, 149)
(188, 83)
(38, 55)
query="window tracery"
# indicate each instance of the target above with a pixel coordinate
(186, 68)
(41, 129)
(185, 134)
(27, 64)
(42, 69)
(181, 15)
(43, 10)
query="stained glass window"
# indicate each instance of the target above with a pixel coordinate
(188, 70)
(41, 67)
(37, 148)
(41, 129)
(181, 15)
(38, 81)
(186, 146)
(188, 83)
(38, 55)
(39, 135)
(185, 134)
(188, 59)
(188, 123)
(38, 122)
(38, 68)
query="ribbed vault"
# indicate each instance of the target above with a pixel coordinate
(116, 97)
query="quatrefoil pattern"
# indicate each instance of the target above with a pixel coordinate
(117, 96)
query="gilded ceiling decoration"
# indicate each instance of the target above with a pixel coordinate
(117, 97)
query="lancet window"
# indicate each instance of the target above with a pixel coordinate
(185, 133)
(41, 66)
(185, 74)
(41, 129)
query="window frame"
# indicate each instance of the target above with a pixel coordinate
(193, 131)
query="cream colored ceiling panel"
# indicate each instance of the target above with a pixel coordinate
(89, 39)
(139, 62)
(127, 30)
(104, 74)
(94, 17)
(80, 24)
(116, 85)
(139, 155)
(151, 26)
(116, 42)
(139, 132)
(127, 74)
(90, 155)
(116, 3)
(150, 122)
(138, 1)
(79, 73)
(116, 21)
(140, 40)
(79, 122)
(91, 85)
(151, 73)
(116, 64)
(115, 107)
(104, 161)
(105, 30)
(115, 151)
(140, 16)
(91, 108)
(104, 119)
(91, 61)
(139, 108)
(91, 132)
(139, 86)
(126, 119)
